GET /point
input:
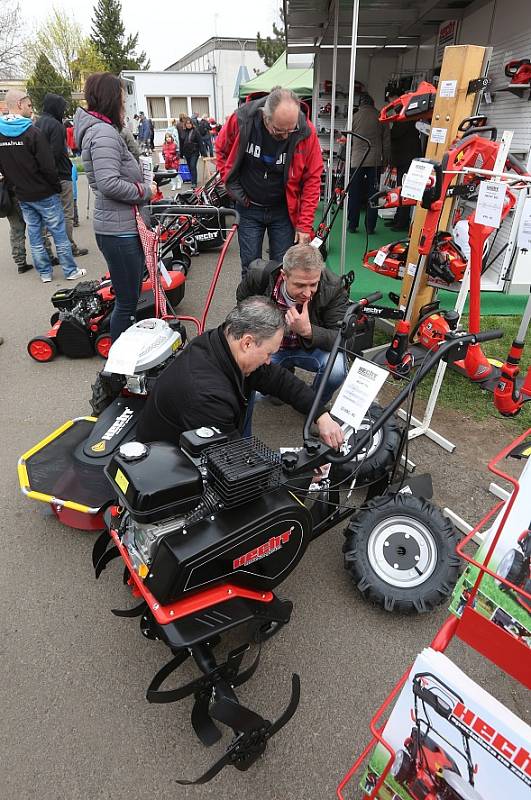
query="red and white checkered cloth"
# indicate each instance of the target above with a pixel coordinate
(150, 246)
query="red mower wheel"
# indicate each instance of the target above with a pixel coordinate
(103, 344)
(42, 349)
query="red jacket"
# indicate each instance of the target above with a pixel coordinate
(70, 140)
(170, 155)
(302, 173)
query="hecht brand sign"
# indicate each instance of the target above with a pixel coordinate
(262, 551)
(118, 424)
(514, 757)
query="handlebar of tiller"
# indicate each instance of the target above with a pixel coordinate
(455, 340)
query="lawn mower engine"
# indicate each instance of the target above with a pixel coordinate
(206, 531)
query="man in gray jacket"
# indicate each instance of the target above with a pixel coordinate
(367, 124)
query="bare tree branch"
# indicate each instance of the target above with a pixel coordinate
(11, 39)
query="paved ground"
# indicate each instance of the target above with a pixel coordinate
(75, 723)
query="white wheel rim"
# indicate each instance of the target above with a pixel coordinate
(402, 551)
(505, 565)
(397, 763)
(375, 444)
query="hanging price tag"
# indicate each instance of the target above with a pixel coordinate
(490, 203)
(165, 274)
(359, 390)
(438, 135)
(379, 258)
(524, 232)
(447, 88)
(416, 179)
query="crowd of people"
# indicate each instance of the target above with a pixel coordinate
(289, 307)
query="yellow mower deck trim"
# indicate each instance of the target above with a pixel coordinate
(23, 472)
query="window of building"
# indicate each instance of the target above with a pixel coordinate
(200, 105)
(156, 109)
(178, 105)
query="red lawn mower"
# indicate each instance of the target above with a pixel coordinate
(424, 767)
(515, 567)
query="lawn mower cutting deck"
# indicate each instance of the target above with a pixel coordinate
(209, 529)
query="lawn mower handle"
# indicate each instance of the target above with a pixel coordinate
(197, 211)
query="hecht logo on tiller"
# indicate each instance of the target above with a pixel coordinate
(266, 549)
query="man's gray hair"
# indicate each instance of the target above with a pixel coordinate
(302, 256)
(276, 96)
(257, 316)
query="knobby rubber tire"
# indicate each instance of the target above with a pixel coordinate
(438, 585)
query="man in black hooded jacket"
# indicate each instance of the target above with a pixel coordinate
(50, 123)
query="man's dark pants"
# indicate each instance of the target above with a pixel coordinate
(365, 184)
(254, 222)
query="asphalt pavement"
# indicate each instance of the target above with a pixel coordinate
(75, 721)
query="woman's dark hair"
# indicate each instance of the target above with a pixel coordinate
(103, 93)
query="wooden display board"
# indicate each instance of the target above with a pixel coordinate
(461, 64)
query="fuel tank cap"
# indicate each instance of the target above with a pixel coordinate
(205, 433)
(133, 451)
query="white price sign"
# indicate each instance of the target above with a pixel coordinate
(146, 165)
(380, 257)
(411, 269)
(524, 232)
(416, 179)
(438, 135)
(165, 274)
(359, 390)
(447, 88)
(490, 203)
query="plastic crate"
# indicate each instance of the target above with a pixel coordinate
(185, 173)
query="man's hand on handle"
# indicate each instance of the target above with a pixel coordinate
(330, 432)
(302, 238)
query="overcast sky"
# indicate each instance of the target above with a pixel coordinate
(168, 29)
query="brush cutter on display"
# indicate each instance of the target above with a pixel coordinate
(209, 529)
(65, 469)
(411, 106)
(425, 767)
(338, 200)
(509, 398)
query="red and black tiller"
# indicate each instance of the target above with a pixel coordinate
(338, 199)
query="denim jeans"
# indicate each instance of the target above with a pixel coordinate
(254, 222)
(48, 213)
(364, 184)
(312, 361)
(125, 259)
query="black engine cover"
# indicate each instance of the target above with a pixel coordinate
(255, 545)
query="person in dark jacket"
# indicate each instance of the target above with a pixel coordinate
(210, 382)
(192, 147)
(405, 146)
(28, 165)
(117, 182)
(50, 123)
(366, 182)
(314, 303)
(269, 158)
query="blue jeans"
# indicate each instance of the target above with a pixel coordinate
(312, 361)
(209, 147)
(364, 185)
(254, 222)
(125, 259)
(49, 214)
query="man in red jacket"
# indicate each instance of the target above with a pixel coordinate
(270, 160)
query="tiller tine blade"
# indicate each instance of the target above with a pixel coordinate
(206, 731)
(108, 555)
(153, 695)
(236, 716)
(137, 611)
(100, 546)
(290, 708)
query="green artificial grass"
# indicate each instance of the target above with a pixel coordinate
(368, 281)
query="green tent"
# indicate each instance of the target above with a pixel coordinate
(299, 81)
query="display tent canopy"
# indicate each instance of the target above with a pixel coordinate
(299, 81)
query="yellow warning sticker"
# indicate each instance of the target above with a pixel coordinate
(143, 570)
(121, 480)
(99, 447)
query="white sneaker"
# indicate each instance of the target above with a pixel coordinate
(46, 278)
(79, 274)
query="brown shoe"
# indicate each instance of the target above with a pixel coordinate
(79, 251)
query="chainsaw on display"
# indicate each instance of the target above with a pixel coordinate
(411, 106)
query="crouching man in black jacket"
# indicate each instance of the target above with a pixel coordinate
(211, 381)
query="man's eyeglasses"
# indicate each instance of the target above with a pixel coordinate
(283, 131)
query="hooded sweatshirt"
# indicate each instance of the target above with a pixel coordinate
(51, 124)
(26, 160)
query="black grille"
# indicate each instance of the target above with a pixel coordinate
(242, 470)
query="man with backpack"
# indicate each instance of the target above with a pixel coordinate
(204, 131)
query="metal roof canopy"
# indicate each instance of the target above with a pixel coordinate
(372, 25)
(394, 24)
